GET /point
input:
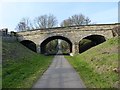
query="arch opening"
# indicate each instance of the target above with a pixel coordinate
(90, 41)
(58, 46)
(29, 44)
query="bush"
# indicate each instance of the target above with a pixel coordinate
(116, 31)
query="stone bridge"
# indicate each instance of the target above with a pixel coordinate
(72, 34)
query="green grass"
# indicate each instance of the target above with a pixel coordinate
(0, 62)
(21, 66)
(0, 76)
(95, 66)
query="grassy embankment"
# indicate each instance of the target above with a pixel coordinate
(0, 63)
(21, 66)
(97, 65)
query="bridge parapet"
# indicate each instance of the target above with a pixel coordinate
(71, 28)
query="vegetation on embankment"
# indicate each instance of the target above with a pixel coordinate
(21, 66)
(98, 66)
(0, 63)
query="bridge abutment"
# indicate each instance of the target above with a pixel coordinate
(38, 49)
(75, 48)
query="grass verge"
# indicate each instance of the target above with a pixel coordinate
(21, 67)
(97, 65)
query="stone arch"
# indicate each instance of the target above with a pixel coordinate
(95, 40)
(43, 44)
(29, 44)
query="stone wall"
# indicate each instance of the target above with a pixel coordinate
(7, 36)
(73, 33)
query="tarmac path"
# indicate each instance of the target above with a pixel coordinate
(60, 74)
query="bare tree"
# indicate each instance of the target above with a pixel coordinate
(52, 21)
(79, 19)
(45, 21)
(20, 26)
(41, 21)
(67, 22)
(24, 25)
(87, 21)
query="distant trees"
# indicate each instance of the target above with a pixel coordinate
(51, 47)
(77, 19)
(50, 21)
(65, 47)
(24, 24)
(45, 21)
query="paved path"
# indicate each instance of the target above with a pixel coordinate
(59, 75)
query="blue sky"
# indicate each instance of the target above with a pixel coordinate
(98, 12)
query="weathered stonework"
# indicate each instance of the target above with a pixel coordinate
(73, 33)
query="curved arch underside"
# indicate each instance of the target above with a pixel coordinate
(44, 43)
(29, 44)
(93, 41)
(96, 38)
